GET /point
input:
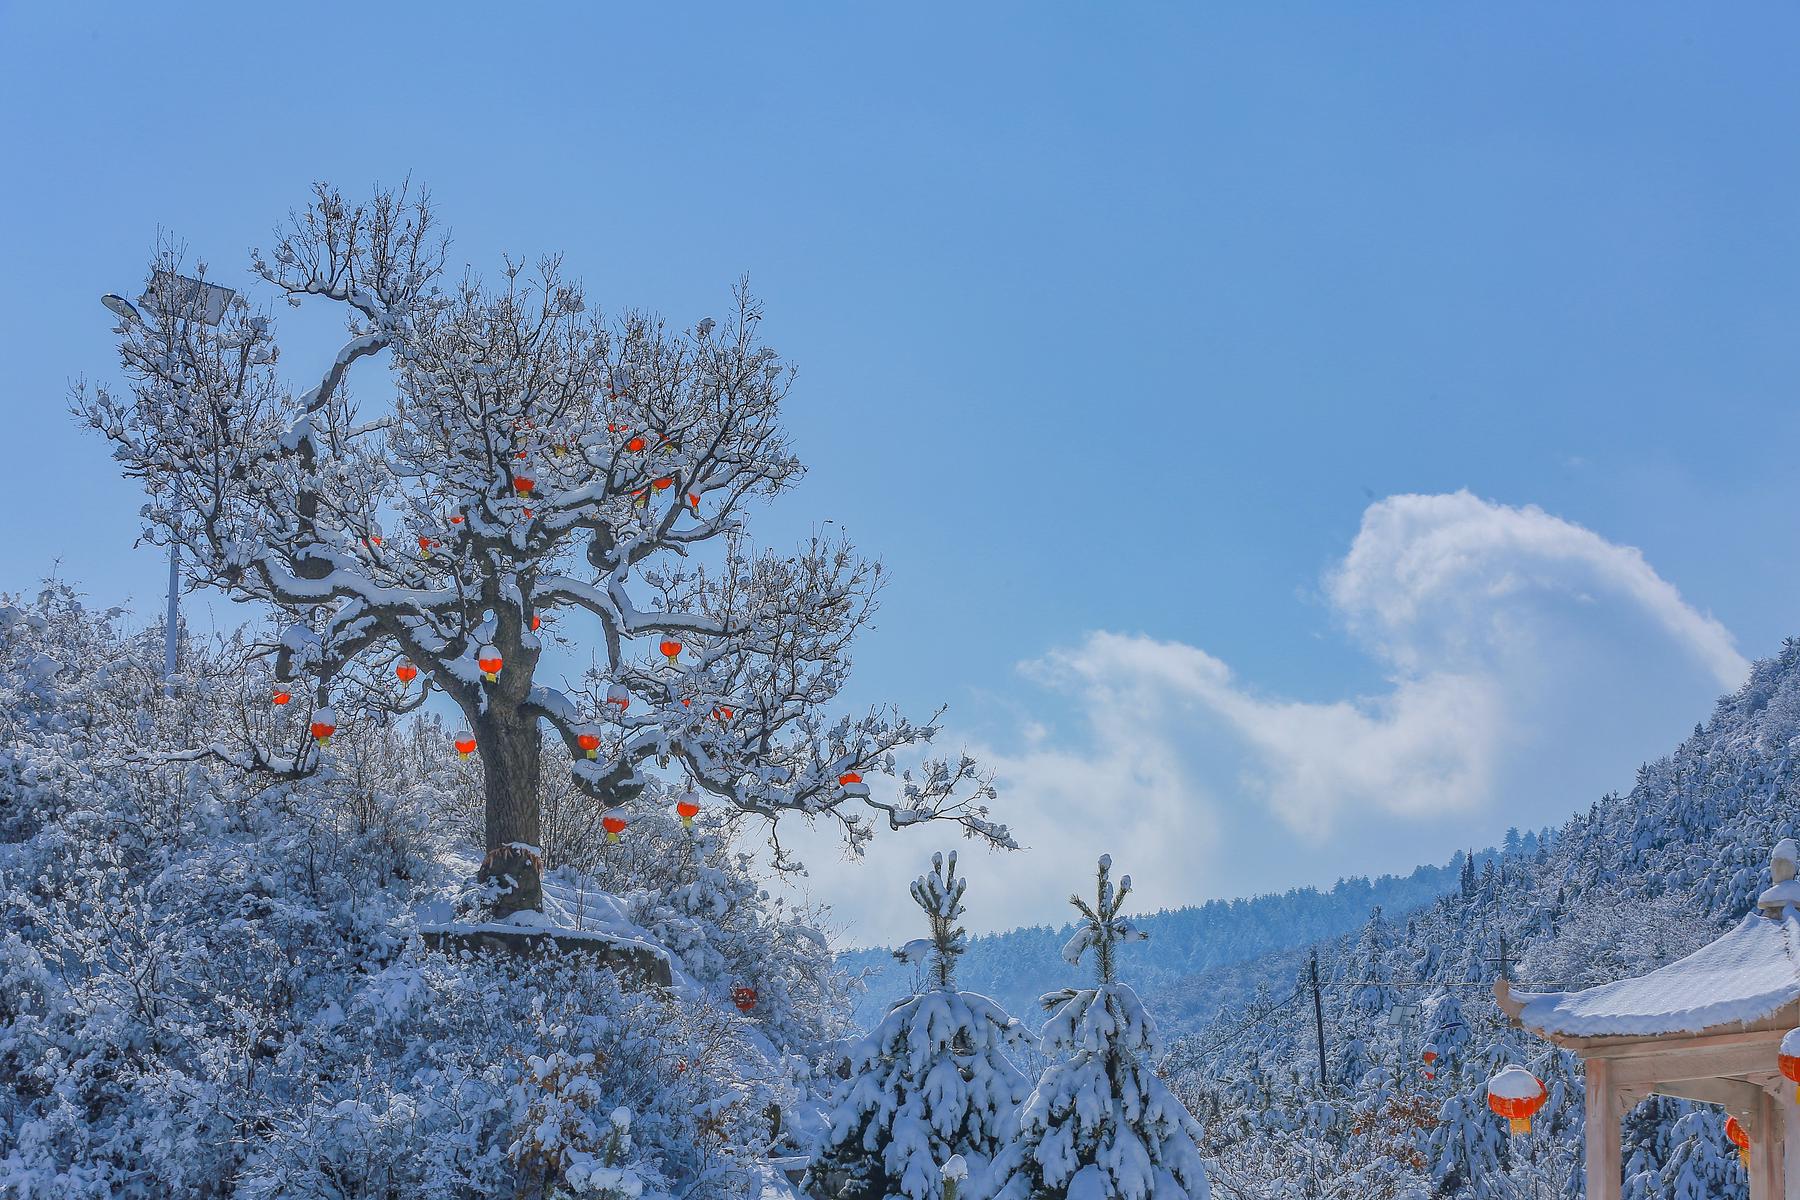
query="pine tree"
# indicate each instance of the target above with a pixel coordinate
(1101, 1124)
(933, 1081)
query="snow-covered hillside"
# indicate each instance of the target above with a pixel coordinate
(213, 983)
(1638, 880)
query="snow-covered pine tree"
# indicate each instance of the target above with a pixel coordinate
(1101, 1125)
(934, 1080)
(534, 458)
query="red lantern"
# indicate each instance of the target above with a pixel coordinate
(1428, 1058)
(849, 777)
(663, 484)
(722, 713)
(324, 724)
(490, 662)
(694, 503)
(523, 485)
(373, 540)
(671, 650)
(589, 743)
(1516, 1094)
(426, 544)
(687, 808)
(614, 826)
(457, 519)
(535, 622)
(281, 696)
(744, 998)
(635, 445)
(407, 672)
(465, 744)
(618, 695)
(1737, 1136)
(1789, 1059)
(528, 514)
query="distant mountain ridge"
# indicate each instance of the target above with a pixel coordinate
(1018, 966)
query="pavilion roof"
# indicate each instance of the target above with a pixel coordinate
(1746, 976)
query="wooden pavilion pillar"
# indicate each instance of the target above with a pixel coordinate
(1605, 1148)
(1766, 1172)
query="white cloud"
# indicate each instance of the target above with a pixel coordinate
(1492, 625)
(1432, 579)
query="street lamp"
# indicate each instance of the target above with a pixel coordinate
(170, 296)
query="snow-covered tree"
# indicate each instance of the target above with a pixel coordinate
(932, 1082)
(534, 459)
(1101, 1124)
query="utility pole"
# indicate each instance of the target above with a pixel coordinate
(171, 639)
(1503, 961)
(1318, 1017)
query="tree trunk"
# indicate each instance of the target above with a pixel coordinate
(509, 742)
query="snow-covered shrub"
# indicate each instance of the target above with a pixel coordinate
(212, 983)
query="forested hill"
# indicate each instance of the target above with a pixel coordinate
(1636, 881)
(1018, 966)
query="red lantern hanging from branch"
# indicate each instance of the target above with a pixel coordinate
(589, 741)
(427, 544)
(523, 486)
(536, 622)
(1738, 1136)
(744, 998)
(849, 777)
(671, 650)
(490, 662)
(407, 672)
(465, 744)
(687, 808)
(1516, 1094)
(281, 696)
(324, 725)
(1429, 1058)
(619, 697)
(663, 484)
(614, 826)
(722, 713)
(635, 445)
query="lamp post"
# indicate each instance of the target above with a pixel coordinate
(171, 296)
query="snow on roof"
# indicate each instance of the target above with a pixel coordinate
(1748, 974)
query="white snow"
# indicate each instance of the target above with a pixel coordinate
(1515, 1083)
(1744, 976)
(1780, 895)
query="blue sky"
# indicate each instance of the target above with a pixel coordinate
(1153, 347)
